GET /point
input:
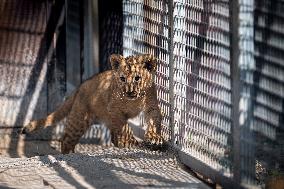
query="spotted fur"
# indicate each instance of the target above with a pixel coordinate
(111, 97)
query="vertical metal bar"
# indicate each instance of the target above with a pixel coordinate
(73, 65)
(95, 35)
(91, 63)
(171, 67)
(235, 81)
(82, 38)
(56, 62)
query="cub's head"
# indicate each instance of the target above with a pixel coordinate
(134, 74)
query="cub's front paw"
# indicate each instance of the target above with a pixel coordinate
(153, 138)
(124, 138)
(154, 141)
(125, 141)
(28, 128)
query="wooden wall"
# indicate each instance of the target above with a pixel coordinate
(32, 78)
(47, 48)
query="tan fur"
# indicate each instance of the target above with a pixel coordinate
(111, 97)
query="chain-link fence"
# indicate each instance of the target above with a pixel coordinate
(147, 32)
(261, 90)
(220, 74)
(219, 82)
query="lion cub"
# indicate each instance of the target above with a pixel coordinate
(111, 97)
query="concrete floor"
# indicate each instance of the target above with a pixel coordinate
(91, 166)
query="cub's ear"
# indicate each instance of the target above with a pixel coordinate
(115, 60)
(150, 62)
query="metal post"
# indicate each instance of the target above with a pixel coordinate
(73, 43)
(95, 35)
(171, 68)
(91, 63)
(235, 81)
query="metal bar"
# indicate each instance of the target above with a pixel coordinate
(207, 171)
(73, 53)
(235, 82)
(171, 68)
(95, 35)
(91, 63)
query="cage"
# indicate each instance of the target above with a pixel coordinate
(219, 81)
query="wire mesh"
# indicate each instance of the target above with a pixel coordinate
(146, 31)
(202, 91)
(110, 29)
(261, 104)
(201, 71)
(202, 88)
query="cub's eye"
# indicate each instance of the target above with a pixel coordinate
(122, 79)
(137, 78)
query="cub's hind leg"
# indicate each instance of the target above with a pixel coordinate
(76, 125)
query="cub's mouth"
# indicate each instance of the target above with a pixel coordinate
(132, 95)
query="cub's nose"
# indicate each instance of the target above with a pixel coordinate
(132, 94)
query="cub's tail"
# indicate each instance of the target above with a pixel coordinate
(52, 118)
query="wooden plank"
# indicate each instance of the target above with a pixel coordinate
(206, 171)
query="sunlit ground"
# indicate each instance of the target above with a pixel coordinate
(91, 166)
